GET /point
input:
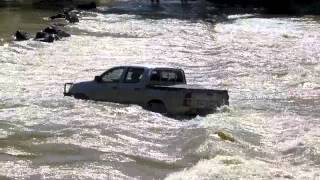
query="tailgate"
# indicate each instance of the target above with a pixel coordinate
(208, 99)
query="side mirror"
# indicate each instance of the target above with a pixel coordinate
(97, 79)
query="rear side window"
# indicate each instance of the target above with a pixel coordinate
(166, 76)
(134, 75)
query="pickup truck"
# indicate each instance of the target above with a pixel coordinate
(158, 89)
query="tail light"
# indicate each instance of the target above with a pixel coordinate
(187, 99)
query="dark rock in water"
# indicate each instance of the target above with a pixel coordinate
(45, 37)
(51, 30)
(70, 14)
(22, 36)
(58, 16)
(51, 34)
(56, 37)
(88, 6)
(40, 35)
(49, 39)
(67, 10)
(59, 24)
(72, 17)
(57, 31)
(63, 34)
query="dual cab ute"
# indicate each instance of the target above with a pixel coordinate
(159, 89)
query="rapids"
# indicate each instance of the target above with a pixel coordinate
(270, 65)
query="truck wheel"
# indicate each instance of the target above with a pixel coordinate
(80, 96)
(157, 107)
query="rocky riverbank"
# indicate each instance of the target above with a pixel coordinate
(55, 32)
(23, 20)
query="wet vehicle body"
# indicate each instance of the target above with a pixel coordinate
(159, 89)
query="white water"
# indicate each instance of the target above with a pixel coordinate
(269, 65)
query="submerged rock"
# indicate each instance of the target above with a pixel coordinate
(21, 36)
(63, 34)
(58, 16)
(57, 31)
(50, 34)
(225, 136)
(70, 10)
(68, 14)
(51, 30)
(72, 17)
(45, 37)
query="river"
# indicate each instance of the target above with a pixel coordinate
(270, 65)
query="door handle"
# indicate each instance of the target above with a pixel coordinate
(137, 89)
(114, 87)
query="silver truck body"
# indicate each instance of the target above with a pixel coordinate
(158, 89)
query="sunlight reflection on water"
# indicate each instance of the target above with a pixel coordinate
(269, 65)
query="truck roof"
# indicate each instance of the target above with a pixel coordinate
(148, 66)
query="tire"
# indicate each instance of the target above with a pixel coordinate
(80, 96)
(157, 107)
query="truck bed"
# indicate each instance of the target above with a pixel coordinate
(194, 88)
(200, 95)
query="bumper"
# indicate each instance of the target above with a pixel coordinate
(66, 90)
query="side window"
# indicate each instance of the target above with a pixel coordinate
(155, 76)
(166, 76)
(134, 75)
(113, 75)
(173, 76)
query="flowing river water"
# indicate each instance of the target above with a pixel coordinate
(270, 65)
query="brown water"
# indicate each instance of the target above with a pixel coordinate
(270, 65)
(21, 18)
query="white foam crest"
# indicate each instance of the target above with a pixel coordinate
(228, 167)
(24, 170)
(264, 59)
(234, 120)
(236, 167)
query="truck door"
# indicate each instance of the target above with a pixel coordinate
(108, 88)
(132, 89)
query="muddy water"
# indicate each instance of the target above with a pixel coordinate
(21, 18)
(270, 65)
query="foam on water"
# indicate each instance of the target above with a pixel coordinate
(235, 167)
(265, 147)
(269, 65)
